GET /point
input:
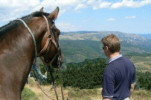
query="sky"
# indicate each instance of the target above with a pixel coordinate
(129, 16)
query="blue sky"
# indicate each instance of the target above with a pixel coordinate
(130, 16)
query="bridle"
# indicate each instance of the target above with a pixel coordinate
(51, 40)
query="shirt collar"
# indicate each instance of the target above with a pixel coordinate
(114, 58)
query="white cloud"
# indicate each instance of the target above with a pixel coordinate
(104, 4)
(97, 4)
(11, 9)
(66, 27)
(94, 4)
(111, 19)
(130, 17)
(80, 6)
(131, 3)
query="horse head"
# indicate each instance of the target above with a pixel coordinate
(50, 52)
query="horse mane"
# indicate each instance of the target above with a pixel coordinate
(4, 29)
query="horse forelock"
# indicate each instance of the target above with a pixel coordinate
(11, 25)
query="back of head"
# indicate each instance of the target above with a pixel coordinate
(112, 42)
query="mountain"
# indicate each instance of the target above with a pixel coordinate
(96, 36)
(147, 36)
(78, 46)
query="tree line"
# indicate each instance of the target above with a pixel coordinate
(88, 75)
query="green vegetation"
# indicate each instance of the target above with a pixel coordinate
(85, 78)
(88, 75)
(27, 94)
(142, 63)
(143, 80)
(84, 75)
(79, 50)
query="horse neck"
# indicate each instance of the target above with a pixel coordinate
(37, 27)
(18, 53)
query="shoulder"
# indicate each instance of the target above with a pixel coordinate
(109, 69)
(121, 60)
(127, 61)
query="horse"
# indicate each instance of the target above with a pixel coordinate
(18, 50)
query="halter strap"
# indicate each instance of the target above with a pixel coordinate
(49, 38)
(49, 30)
(31, 35)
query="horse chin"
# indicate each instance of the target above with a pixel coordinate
(55, 64)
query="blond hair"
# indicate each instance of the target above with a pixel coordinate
(112, 42)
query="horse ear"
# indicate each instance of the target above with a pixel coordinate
(53, 15)
(42, 9)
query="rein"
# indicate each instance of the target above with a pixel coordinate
(49, 42)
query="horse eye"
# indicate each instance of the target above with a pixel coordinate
(49, 36)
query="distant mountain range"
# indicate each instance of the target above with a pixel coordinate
(96, 36)
(147, 36)
(81, 45)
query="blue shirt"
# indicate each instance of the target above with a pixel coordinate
(118, 76)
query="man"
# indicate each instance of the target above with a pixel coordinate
(119, 74)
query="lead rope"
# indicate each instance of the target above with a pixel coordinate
(40, 86)
(60, 77)
(32, 37)
(54, 85)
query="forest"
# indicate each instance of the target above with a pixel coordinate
(88, 75)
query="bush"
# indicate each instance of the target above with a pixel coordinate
(27, 94)
(87, 74)
(143, 80)
(84, 75)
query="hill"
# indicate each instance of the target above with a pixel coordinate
(97, 35)
(78, 46)
(147, 36)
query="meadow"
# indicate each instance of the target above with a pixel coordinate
(142, 63)
(76, 93)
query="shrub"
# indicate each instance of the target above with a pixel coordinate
(28, 94)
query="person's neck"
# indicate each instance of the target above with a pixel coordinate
(114, 55)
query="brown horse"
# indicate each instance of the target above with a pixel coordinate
(17, 50)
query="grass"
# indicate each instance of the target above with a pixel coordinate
(141, 95)
(28, 94)
(33, 92)
(142, 63)
(95, 94)
(84, 94)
